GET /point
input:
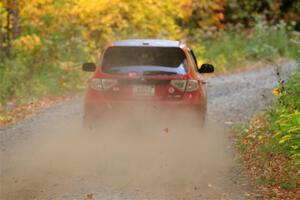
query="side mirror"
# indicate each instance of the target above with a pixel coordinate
(89, 67)
(206, 68)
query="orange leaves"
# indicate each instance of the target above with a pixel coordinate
(90, 196)
(203, 13)
(186, 9)
(166, 130)
(62, 81)
(27, 43)
(272, 171)
(220, 16)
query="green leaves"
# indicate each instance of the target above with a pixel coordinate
(270, 144)
(235, 46)
(285, 119)
(287, 133)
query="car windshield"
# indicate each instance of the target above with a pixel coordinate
(144, 60)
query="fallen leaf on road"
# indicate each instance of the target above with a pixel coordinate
(90, 196)
(166, 130)
(247, 194)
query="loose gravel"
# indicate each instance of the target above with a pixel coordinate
(47, 156)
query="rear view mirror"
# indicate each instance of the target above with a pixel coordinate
(89, 67)
(206, 68)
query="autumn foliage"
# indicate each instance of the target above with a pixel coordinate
(44, 42)
(270, 145)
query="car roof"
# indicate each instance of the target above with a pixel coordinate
(148, 42)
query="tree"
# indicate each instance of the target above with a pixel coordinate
(106, 20)
(9, 25)
(202, 14)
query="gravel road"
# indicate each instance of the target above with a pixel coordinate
(50, 156)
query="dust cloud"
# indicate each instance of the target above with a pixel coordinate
(137, 154)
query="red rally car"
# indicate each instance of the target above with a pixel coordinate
(146, 71)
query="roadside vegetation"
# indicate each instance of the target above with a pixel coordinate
(43, 43)
(237, 47)
(270, 144)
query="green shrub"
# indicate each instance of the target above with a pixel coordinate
(278, 133)
(270, 143)
(284, 119)
(235, 46)
(50, 66)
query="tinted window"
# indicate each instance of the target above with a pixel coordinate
(144, 59)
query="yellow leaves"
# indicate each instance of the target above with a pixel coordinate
(200, 61)
(199, 50)
(101, 21)
(37, 12)
(276, 91)
(216, 6)
(27, 43)
(67, 66)
(221, 61)
(4, 119)
(285, 138)
(186, 9)
(36, 8)
(99, 17)
(106, 20)
(96, 12)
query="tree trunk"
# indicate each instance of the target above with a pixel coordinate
(7, 39)
(15, 15)
(1, 39)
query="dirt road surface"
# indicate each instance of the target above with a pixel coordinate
(50, 155)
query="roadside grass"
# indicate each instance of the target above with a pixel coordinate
(39, 67)
(270, 144)
(24, 91)
(234, 48)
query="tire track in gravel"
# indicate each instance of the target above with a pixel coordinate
(48, 156)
